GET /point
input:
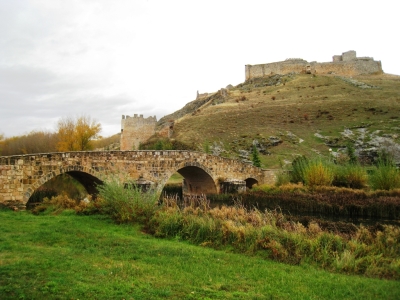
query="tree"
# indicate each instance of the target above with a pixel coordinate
(255, 157)
(66, 134)
(351, 153)
(1, 142)
(77, 134)
(86, 130)
(33, 142)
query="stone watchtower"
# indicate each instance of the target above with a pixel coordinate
(136, 130)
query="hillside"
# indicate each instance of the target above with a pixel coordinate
(294, 114)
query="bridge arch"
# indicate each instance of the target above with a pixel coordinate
(198, 179)
(250, 182)
(85, 176)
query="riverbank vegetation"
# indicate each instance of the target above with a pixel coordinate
(373, 252)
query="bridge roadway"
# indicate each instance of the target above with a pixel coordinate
(21, 175)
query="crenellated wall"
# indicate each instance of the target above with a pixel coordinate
(347, 64)
(136, 130)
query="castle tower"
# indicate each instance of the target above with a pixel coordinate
(136, 130)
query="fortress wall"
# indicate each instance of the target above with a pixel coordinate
(349, 66)
(136, 130)
(254, 71)
(282, 67)
(368, 66)
(349, 55)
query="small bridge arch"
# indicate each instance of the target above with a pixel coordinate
(250, 182)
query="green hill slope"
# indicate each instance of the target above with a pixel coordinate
(292, 115)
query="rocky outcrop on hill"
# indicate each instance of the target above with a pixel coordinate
(367, 145)
(357, 83)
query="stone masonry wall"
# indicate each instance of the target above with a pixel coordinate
(347, 64)
(136, 130)
(21, 175)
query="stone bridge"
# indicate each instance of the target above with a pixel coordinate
(21, 175)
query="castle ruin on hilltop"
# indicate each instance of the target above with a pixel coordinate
(136, 130)
(347, 64)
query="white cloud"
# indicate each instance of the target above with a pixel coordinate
(109, 58)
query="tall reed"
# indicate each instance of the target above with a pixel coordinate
(125, 202)
(385, 176)
(318, 173)
(271, 235)
(350, 175)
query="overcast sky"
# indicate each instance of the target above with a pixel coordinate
(108, 58)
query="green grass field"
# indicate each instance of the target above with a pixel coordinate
(89, 257)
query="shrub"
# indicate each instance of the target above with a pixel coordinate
(312, 172)
(385, 176)
(350, 175)
(57, 204)
(299, 166)
(318, 173)
(282, 178)
(39, 195)
(255, 157)
(125, 202)
(351, 153)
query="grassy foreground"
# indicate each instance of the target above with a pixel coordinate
(89, 257)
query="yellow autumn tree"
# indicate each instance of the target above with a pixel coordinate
(86, 130)
(77, 134)
(66, 134)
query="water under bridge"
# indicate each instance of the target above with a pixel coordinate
(21, 175)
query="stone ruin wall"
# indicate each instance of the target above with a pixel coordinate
(166, 130)
(198, 96)
(347, 64)
(136, 130)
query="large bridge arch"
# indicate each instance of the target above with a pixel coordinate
(85, 176)
(198, 179)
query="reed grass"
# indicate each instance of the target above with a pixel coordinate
(318, 172)
(385, 176)
(126, 202)
(350, 175)
(248, 230)
(271, 235)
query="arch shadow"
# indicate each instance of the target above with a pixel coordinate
(85, 177)
(197, 179)
(250, 182)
